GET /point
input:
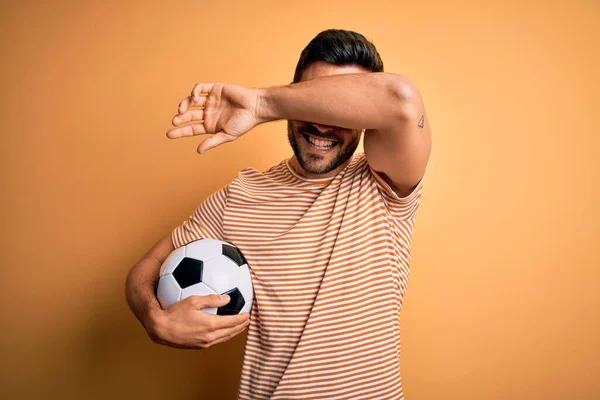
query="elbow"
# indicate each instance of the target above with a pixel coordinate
(408, 100)
(403, 88)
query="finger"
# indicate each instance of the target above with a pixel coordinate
(190, 115)
(229, 334)
(188, 130)
(198, 302)
(200, 101)
(184, 105)
(200, 88)
(230, 331)
(214, 141)
(228, 321)
(227, 338)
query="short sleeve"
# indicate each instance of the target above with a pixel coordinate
(400, 207)
(205, 222)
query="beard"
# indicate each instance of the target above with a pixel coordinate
(318, 163)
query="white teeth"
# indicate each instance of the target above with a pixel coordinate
(322, 144)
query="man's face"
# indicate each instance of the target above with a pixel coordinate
(320, 149)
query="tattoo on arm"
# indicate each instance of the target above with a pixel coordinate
(421, 122)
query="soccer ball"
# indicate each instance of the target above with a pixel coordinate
(203, 267)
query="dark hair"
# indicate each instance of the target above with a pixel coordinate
(339, 47)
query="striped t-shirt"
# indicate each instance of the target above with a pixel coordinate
(329, 259)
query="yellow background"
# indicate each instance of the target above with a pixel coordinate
(503, 299)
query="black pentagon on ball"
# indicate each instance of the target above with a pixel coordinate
(188, 272)
(235, 305)
(234, 254)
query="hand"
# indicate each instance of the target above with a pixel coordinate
(226, 111)
(185, 326)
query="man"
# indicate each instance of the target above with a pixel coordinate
(326, 233)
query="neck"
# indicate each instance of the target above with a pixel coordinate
(295, 165)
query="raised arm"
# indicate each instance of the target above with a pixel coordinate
(397, 139)
(388, 106)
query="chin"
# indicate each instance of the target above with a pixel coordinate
(318, 162)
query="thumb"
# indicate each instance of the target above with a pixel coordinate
(215, 140)
(211, 300)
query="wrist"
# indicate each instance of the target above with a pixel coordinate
(152, 317)
(265, 107)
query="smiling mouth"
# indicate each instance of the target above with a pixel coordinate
(318, 142)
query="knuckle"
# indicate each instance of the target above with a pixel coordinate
(211, 325)
(209, 338)
(196, 301)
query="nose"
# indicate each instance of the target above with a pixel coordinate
(323, 128)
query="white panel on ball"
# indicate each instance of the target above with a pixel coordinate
(172, 261)
(247, 307)
(245, 283)
(199, 289)
(203, 249)
(220, 274)
(168, 292)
